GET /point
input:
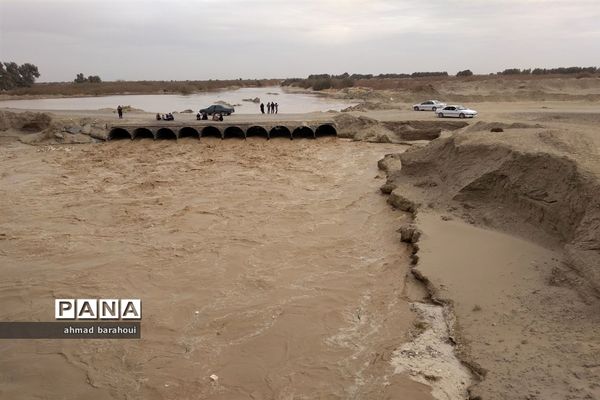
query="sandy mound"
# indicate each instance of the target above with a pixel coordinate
(370, 105)
(366, 94)
(42, 128)
(26, 121)
(362, 128)
(422, 130)
(51, 136)
(488, 126)
(370, 130)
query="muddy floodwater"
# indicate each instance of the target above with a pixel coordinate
(288, 102)
(275, 266)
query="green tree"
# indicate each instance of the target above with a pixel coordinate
(466, 72)
(13, 75)
(80, 78)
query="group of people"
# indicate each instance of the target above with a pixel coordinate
(166, 117)
(200, 116)
(204, 116)
(272, 108)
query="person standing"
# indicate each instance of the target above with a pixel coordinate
(269, 108)
(276, 108)
(120, 111)
(262, 108)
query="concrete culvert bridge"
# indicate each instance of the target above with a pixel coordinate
(211, 131)
(118, 133)
(165, 133)
(223, 130)
(234, 131)
(141, 133)
(303, 132)
(326, 130)
(257, 131)
(188, 132)
(280, 131)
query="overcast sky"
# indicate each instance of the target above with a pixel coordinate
(220, 39)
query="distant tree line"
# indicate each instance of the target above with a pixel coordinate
(14, 76)
(427, 74)
(327, 81)
(549, 71)
(321, 82)
(90, 79)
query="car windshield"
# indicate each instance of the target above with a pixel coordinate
(460, 108)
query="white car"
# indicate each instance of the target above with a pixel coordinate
(429, 105)
(456, 112)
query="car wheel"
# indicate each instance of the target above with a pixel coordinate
(416, 108)
(434, 109)
(441, 115)
(461, 115)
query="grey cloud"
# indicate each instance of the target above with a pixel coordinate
(181, 39)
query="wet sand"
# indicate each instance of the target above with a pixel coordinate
(525, 327)
(274, 265)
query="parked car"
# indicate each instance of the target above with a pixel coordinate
(456, 112)
(429, 105)
(217, 108)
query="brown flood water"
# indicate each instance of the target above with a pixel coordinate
(274, 265)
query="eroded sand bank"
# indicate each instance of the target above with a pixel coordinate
(525, 294)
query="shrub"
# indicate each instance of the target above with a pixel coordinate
(510, 71)
(322, 84)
